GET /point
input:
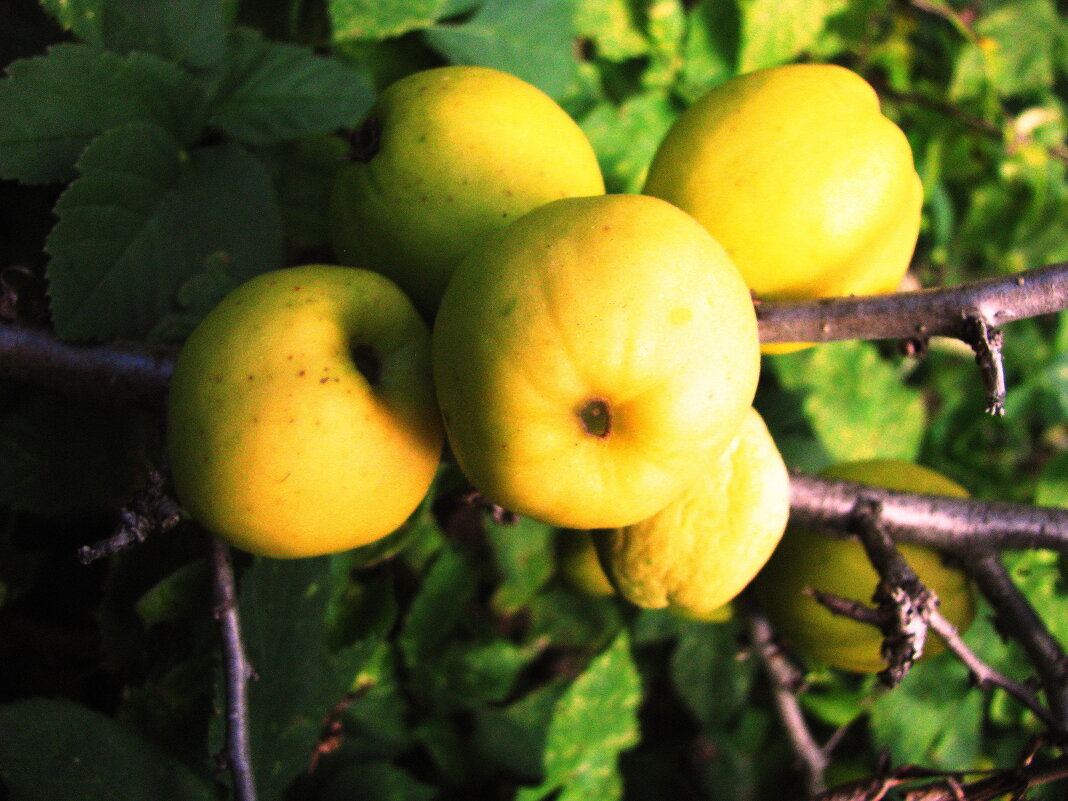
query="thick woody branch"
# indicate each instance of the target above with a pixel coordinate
(947, 312)
(952, 524)
(121, 373)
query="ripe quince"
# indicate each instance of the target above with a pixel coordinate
(695, 555)
(444, 157)
(808, 559)
(591, 357)
(301, 415)
(797, 173)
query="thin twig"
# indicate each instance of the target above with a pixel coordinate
(237, 671)
(152, 509)
(1017, 618)
(902, 600)
(785, 679)
(983, 674)
(921, 313)
(952, 524)
(986, 342)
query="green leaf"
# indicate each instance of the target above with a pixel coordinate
(710, 50)
(58, 749)
(612, 27)
(381, 19)
(593, 722)
(275, 92)
(856, 402)
(531, 39)
(188, 32)
(777, 31)
(1053, 481)
(143, 218)
(284, 608)
(443, 597)
(933, 718)
(625, 137)
(514, 736)
(55, 104)
(665, 25)
(707, 674)
(1013, 51)
(523, 552)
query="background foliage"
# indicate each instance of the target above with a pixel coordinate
(153, 155)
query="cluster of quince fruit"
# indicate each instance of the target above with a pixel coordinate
(592, 358)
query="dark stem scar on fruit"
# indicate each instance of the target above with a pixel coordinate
(368, 363)
(365, 141)
(596, 418)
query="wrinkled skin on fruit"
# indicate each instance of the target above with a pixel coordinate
(443, 158)
(704, 547)
(797, 173)
(808, 559)
(301, 415)
(591, 357)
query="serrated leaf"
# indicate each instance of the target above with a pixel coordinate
(188, 32)
(55, 104)
(274, 92)
(284, 609)
(856, 402)
(143, 218)
(57, 749)
(593, 722)
(523, 552)
(776, 31)
(381, 19)
(531, 39)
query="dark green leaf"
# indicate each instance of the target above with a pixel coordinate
(55, 104)
(710, 49)
(273, 92)
(381, 19)
(188, 32)
(514, 736)
(708, 675)
(531, 39)
(523, 551)
(57, 749)
(143, 218)
(284, 606)
(445, 593)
